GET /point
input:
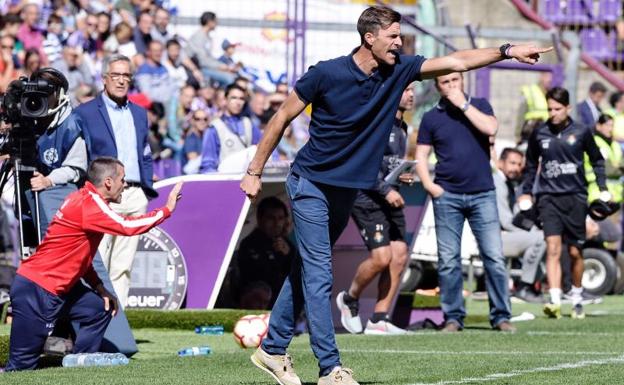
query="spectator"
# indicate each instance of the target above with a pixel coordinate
(160, 29)
(115, 127)
(72, 64)
(554, 162)
(32, 62)
(199, 48)
(611, 151)
(29, 33)
(152, 77)
(589, 109)
(121, 41)
(226, 58)
(516, 241)
(205, 99)
(103, 29)
(8, 72)
(533, 105)
(142, 31)
(616, 100)
(179, 115)
(193, 139)
(55, 38)
(257, 105)
(266, 254)
(173, 64)
(458, 128)
(85, 33)
(12, 24)
(229, 134)
(84, 93)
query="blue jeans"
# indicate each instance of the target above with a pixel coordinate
(320, 213)
(450, 211)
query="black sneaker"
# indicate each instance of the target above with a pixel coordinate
(527, 295)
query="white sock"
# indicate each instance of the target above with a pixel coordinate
(555, 296)
(577, 295)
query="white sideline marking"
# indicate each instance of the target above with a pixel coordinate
(519, 372)
(468, 353)
(599, 334)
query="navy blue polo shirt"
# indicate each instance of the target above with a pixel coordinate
(352, 116)
(462, 151)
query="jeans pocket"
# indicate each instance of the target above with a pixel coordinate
(293, 185)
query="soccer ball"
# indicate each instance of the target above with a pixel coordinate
(250, 330)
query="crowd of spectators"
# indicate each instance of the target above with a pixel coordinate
(181, 82)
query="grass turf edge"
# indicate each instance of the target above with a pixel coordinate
(185, 319)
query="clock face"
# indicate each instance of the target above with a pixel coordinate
(158, 279)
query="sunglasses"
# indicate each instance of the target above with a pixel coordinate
(201, 119)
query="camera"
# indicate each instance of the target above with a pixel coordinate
(26, 99)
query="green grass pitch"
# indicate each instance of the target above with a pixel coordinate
(566, 351)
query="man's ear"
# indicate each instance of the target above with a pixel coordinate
(369, 38)
(108, 182)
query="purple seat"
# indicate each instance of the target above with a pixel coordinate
(568, 12)
(609, 11)
(597, 43)
(167, 168)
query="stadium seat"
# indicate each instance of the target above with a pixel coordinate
(553, 11)
(597, 43)
(609, 11)
(568, 12)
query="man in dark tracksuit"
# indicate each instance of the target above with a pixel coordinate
(558, 147)
(378, 214)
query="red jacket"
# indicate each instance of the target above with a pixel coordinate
(66, 253)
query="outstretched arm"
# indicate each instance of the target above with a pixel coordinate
(470, 59)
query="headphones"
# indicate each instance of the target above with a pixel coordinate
(63, 97)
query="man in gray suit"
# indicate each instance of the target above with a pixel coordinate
(516, 241)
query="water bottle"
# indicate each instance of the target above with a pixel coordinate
(195, 351)
(94, 359)
(215, 330)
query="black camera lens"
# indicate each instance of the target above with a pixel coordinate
(34, 104)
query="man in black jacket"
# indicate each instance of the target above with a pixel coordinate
(562, 192)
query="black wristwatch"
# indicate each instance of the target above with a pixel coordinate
(504, 50)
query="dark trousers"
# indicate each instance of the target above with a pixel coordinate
(35, 312)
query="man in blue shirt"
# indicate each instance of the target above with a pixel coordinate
(354, 99)
(459, 128)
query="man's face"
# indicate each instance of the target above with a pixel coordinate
(557, 112)
(385, 45)
(445, 84)
(512, 166)
(597, 97)
(31, 15)
(117, 79)
(173, 52)
(103, 23)
(70, 54)
(407, 99)
(273, 223)
(211, 25)
(161, 19)
(186, 97)
(200, 120)
(145, 23)
(92, 23)
(235, 102)
(154, 52)
(7, 45)
(117, 185)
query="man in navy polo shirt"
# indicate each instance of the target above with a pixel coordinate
(459, 128)
(354, 99)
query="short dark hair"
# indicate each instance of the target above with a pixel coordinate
(171, 42)
(143, 13)
(615, 98)
(374, 18)
(603, 118)
(234, 86)
(12, 18)
(207, 17)
(597, 87)
(102, 168)
(270, 203)
(510, 150)
(54, 18)
(53, 76)
(559, 95)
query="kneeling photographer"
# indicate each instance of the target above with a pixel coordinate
(39, 111)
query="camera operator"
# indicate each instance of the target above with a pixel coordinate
(61, 151)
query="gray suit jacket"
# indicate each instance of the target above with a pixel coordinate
(505, 213)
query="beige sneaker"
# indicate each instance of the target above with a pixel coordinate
(338, 376)
(280, 367)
